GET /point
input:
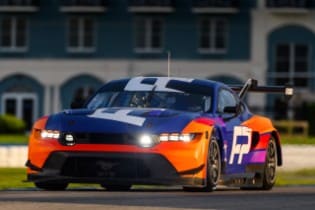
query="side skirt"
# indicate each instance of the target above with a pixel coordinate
(252, 178)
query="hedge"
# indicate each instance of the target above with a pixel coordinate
(10, 124)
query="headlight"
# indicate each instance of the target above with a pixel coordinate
(69, 139)
(49, 134)
(65, 139)
(147, 140)
(184, 137)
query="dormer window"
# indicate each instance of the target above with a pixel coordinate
(13, 36)
(149, 35)
(81, 35)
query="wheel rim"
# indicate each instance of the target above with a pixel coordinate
(214, 162)
(271, 162)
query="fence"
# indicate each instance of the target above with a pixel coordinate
(292, 127)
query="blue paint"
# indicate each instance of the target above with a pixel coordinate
(156, 121)
(242, 140)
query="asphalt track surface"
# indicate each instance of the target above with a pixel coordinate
(164, 199)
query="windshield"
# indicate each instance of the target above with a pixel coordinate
(151, 99)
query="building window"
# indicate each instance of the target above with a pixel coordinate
(149, 35)
(13, 34)
(213, 35)
(292, 64)
(22, 105)
(81, 34)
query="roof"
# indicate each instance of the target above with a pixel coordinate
(169, 84)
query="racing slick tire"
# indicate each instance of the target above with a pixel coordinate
(109, 187)
(269, 171)
(213, 167)
(51, 186)
(269, 177)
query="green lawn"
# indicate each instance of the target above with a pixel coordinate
(297, 140)
(301, 177)
(12, 178)
(13, 138)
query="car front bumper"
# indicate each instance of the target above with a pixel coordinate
(112, 167)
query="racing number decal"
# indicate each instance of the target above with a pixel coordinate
(120, 115)
(160, 84)
(242, 139)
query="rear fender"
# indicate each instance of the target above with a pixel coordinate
(276, 136)
(263, 126)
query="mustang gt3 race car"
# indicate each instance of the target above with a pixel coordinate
(158, 131)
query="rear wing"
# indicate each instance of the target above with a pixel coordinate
(252, 86)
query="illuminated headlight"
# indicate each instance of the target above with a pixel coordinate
(147, 140)
(184, 137)
(69, 139)
(50, 134)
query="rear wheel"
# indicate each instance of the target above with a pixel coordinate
(269, 177)
(53, 186)
(213, 167)
(269, 172)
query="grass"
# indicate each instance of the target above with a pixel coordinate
(301, 177)
(12, 178)
(13, 139)
(298, 140)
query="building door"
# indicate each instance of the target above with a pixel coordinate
(21, 105)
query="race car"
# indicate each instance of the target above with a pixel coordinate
(158, 131)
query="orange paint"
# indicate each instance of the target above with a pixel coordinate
(182, 155)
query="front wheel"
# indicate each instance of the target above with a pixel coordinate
(213, 167)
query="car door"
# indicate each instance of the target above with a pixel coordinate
(236, 138)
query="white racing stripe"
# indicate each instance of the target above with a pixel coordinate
(135, 84)
(120, 116)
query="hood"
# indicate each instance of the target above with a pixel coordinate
(120, 120)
